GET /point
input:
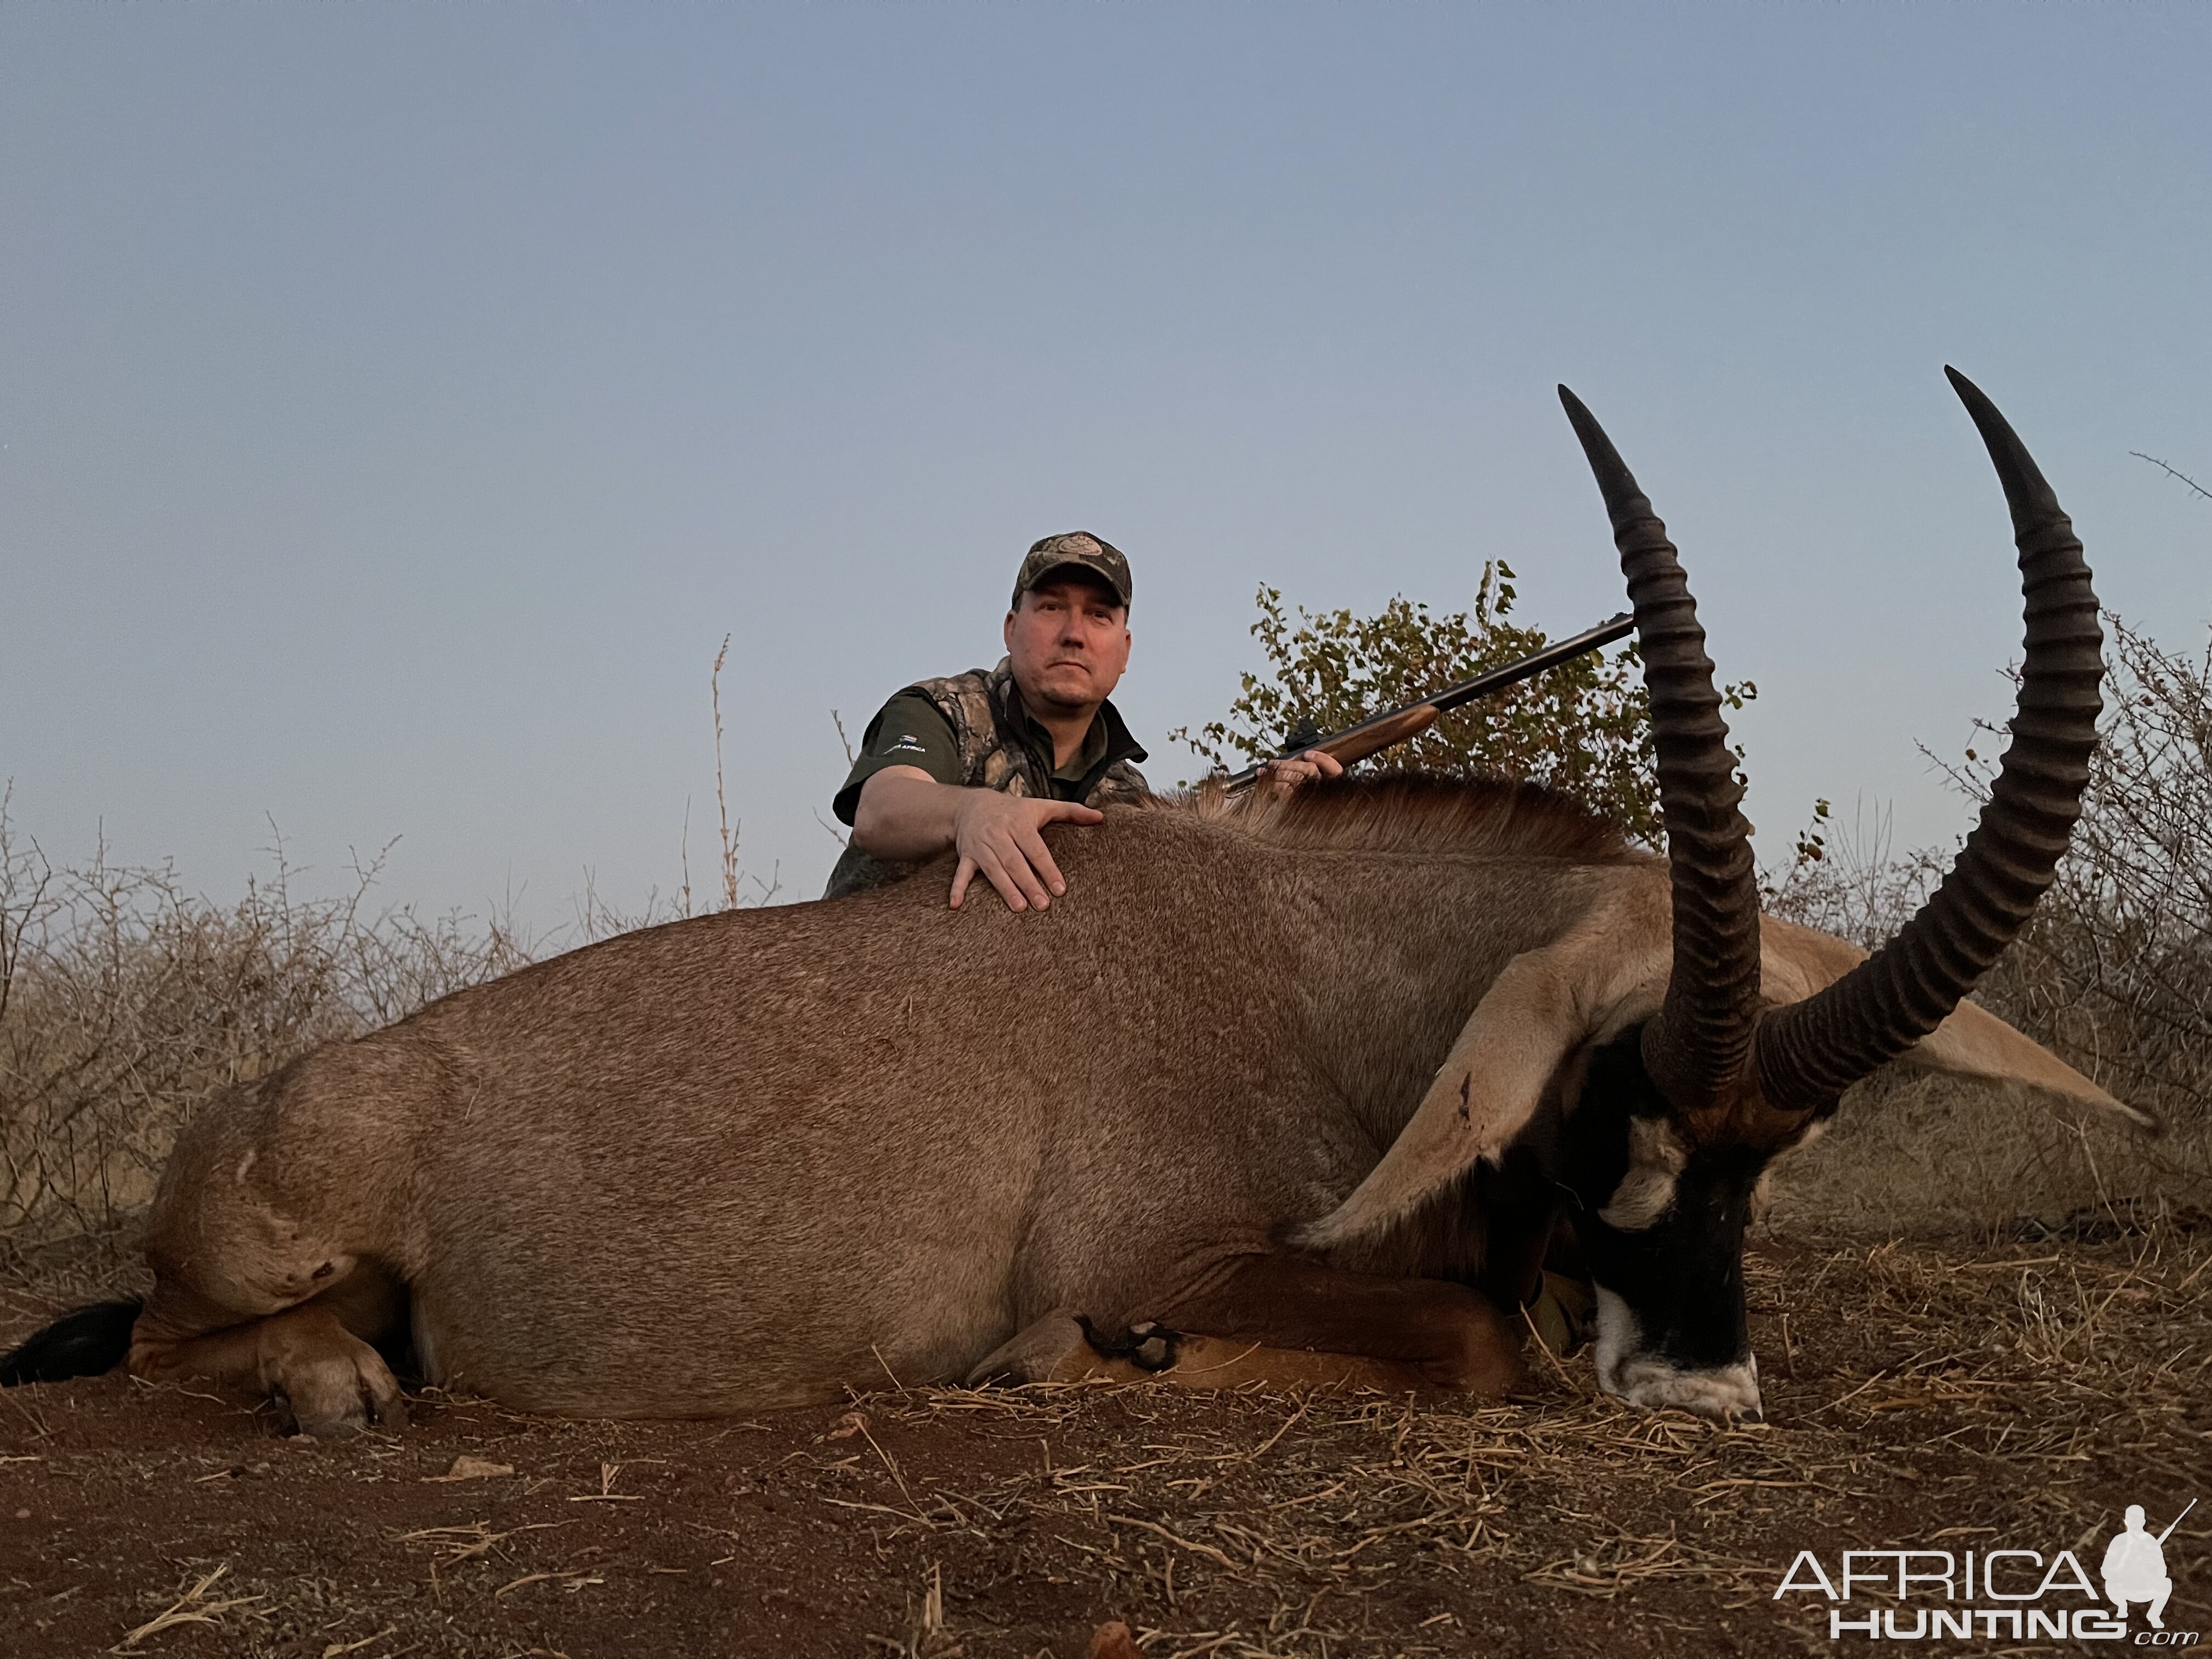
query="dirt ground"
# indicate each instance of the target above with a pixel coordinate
(1917, 1395)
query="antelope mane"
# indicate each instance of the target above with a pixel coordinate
(1416, 813)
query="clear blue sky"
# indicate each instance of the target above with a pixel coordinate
(399, 403)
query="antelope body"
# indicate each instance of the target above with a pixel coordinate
(1306, 1084)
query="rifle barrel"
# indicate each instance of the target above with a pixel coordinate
(2176, 1521)
(1494, 680)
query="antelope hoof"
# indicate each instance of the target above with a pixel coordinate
(1149, 1345)
(333, 1393)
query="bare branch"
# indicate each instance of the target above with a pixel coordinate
(722, 795)
(2163, 467)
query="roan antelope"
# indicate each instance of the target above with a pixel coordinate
(1343, 1060)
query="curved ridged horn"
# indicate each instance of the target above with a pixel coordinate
(1700, 1040)
(1811, 1051)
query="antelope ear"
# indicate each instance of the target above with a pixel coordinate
(1971, 1042)
(1974, 1042)
(1542, 1010)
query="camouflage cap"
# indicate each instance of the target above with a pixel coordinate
(1078, 547)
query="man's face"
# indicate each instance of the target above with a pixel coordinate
(1069, 642)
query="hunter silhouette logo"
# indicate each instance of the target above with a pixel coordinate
(2134, 1566)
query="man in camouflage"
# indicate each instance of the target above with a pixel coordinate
(978, 764)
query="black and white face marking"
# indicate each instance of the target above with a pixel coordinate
(1662, 1225)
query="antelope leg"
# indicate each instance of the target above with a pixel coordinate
(311, 1359)
(1279, 1322)
(1307, 1322)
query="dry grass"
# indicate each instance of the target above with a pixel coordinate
(2017, 1391)
(194, 1607)
(1931, 1158)
(2114, 970)
(124, 1001)
(2113, 973)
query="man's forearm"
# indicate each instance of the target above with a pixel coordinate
(905, 815)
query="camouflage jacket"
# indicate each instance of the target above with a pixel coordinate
(1001, 748)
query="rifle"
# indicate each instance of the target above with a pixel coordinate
(1371, 735)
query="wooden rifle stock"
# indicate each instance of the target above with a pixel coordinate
(1374, 735)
